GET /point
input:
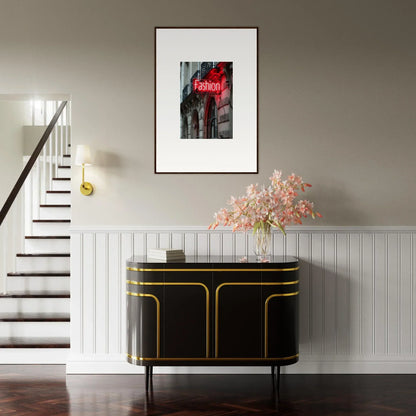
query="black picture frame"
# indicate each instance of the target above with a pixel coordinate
(214, 145)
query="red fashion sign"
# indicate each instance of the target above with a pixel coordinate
(206, 86)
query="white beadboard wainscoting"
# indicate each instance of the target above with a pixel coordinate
(357, 294)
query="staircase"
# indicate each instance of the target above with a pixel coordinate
(34, 310)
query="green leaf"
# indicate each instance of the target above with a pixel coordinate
(281, 228)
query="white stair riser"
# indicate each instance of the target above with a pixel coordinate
(42, 264)
(61, 185)
(55, 213)
(34, 305)
(58, 198)
(50, 228)
(38, 283)
(34, 329)
(66, 161)
(47, 246)
(64, 173)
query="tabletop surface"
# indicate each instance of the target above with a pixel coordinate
(209, 261)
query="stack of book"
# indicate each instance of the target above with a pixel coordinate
(165, 254)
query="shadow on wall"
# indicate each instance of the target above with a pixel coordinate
(107, 171)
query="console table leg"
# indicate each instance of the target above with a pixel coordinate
(151, 376)
(147, 367)
(278, 381)
(273, 370)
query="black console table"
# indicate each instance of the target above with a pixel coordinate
(216, 312)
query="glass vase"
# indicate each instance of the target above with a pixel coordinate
(262, 243)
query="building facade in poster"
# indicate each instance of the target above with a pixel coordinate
(206, 104)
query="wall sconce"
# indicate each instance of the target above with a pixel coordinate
(83, 158)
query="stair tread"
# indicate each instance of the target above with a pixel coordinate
(33, 317)
(36, 294)
(64, 167)
(66, 155)
(47, 237)
(58, 192)
(61, 179)
(29, 342)
(55, 205)
(51, 220)
(39, 274)
(43, 255)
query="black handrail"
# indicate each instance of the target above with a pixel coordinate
(29, 165)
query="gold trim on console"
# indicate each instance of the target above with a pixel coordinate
(133, 282)
(214, 359)
(133, 269)
(148, 295)
(217, 291)
(266, 317)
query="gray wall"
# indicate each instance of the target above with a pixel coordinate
(12, 116)
(337, 97)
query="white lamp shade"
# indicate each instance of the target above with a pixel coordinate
(83, 155)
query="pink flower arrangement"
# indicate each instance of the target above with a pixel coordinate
(266, 207)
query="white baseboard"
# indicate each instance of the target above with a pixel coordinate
(116, 364)
(34, 355)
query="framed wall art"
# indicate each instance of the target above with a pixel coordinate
(206, 95)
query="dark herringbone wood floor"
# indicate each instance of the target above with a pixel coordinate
(45, 390)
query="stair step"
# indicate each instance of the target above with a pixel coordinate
(34, 317)
(55, 211)
(66, 155)
(22, 303)
(66, 161)
(43, 255)
(39, 274)
(43, 264)
(51, 227)
(28, 342)
(50, 283)
(41, 221)
(47, 244)
(48, 237)
(55, 205)
(64, 171)
(59, 198)
(61, 184)
(38, 326)
(36, 294)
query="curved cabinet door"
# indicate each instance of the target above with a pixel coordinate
(281, 315)
(186, 326)
(238, 314)
(144, 314)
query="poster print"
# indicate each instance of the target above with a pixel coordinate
(206, 100)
